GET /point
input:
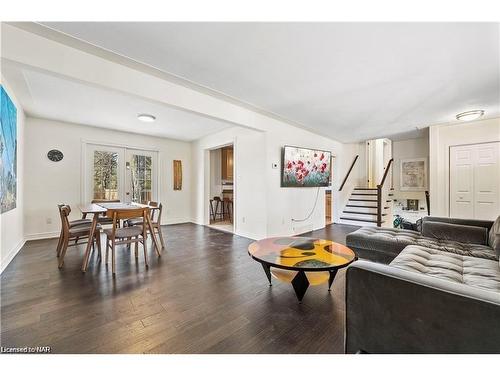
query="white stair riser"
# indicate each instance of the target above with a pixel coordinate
(358, 223)
(359, 216)
(365, 191)
(362, 209)
(354, 196)
(362, 203)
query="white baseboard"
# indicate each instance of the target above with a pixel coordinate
(11, 255)
(41, 236)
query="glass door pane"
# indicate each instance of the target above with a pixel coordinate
(103, 173)
(141, 179)
(105, 184)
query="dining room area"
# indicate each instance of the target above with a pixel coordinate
(121, 224)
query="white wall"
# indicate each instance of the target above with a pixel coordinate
(409, 149)
(48, 183)
(286, 204)
(441, 137)
(262, 207)
(249, 183)
(11, 222)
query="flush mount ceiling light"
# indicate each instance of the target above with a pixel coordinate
(470, 115)
(144, 117)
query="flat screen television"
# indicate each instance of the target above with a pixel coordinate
(305, 167)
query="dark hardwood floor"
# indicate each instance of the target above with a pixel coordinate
(204, 295)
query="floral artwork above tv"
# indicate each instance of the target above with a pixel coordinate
(303, 167)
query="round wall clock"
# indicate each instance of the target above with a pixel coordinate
(55, 155)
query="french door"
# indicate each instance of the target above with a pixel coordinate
(127, 174)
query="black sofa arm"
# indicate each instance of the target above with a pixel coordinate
(390, 310)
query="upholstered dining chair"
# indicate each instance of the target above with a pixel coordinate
(72, 223)
(155, 221)
(104, 220)
(75, 231)
(132, 234)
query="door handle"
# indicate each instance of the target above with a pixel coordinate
(127, 193)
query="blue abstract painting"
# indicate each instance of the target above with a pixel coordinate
(8, 152)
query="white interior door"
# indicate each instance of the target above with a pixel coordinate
(462, 182)
(104, 172)
(486, 181)
(474, 181)
(140, 176)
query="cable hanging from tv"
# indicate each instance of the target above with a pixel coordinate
(312, 211)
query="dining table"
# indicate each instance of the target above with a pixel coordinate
(97, 209)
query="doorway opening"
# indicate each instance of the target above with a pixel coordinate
(221, 188)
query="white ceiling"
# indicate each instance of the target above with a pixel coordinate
(349, 81)
(48, 96)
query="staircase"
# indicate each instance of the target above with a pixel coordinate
(361, 208)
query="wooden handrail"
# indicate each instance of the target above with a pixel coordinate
(379, 194)
(386, 172)
(348, 172)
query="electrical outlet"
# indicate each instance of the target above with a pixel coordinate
(48, 220)
(243, 219)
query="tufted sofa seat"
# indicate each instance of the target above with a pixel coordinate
(459, 248)
(435, 294)
(384, 244)
(467, 270)
(381, 244)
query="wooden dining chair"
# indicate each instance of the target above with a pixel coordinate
(79, 231)
(155, 221)
(128, 234)
(103, 220)
(72, 223)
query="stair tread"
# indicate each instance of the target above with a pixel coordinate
(356, 219)
(362, 213)
(354, 205)
(362, 200)
(361, 188)
(364, 194)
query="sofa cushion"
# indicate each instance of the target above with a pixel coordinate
(455, 232)
(386, 240)
(472, 271)
(494, 237)
(459, 248)
(392, 241)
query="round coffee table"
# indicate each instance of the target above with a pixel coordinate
(302, 261)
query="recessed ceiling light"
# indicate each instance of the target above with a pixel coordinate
(470, 115)
(144, 117)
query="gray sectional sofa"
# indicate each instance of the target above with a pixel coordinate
(434, 291)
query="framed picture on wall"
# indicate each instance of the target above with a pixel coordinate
(8, 152)
(413, 174)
